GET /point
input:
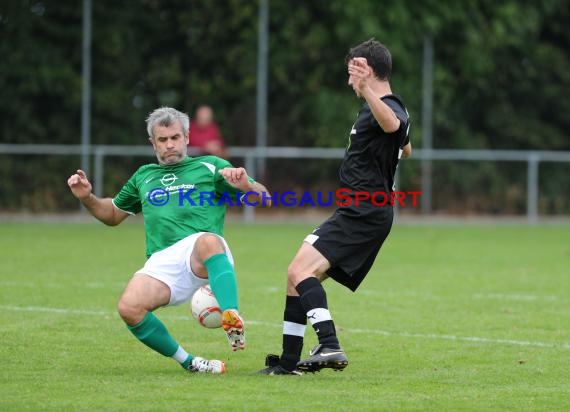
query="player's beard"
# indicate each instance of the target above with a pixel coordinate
(170, 158)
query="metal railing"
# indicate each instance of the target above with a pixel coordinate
(533, 158)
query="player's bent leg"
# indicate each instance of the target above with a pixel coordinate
(308, 263)
(206, 246)
(209, 259)
(142, 295)
(306, 272)
(294, 324)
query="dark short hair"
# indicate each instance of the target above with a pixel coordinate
(377, 55)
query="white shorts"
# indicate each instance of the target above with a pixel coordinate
(172, 267)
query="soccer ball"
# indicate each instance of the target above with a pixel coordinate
(205, 308)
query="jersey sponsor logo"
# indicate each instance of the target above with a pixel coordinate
(168, 179)
(180, 187)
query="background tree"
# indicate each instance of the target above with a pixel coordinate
(500, 81)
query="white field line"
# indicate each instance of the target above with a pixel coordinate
(523, 297)
(476, 339)
(60, 311)
(514, 296)
(90, 285)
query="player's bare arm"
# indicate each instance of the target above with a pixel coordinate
(364, 83)
(102, 209)
(238, 178)
(407, 151)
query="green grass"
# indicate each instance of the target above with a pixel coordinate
(449, 319)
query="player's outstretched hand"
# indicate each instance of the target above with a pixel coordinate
(79, 185)
(237, 177)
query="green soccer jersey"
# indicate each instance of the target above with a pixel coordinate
(178, 200)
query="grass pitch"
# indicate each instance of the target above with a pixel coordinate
(450, 318)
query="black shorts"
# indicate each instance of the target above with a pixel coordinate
(351, 243)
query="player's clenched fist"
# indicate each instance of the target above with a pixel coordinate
(236, 176)
(80, 185)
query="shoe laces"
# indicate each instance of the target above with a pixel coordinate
(202, 365)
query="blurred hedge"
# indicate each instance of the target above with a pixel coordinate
(501, 79)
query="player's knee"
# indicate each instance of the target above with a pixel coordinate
(130, 313)
(295, 274)
(209, 244)
(291, 290)
(291, 274)
(124, 309)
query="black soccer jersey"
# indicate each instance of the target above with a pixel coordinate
(372, 155)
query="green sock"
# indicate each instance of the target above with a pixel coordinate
(186, 364)
(222, 281)
(152, 332)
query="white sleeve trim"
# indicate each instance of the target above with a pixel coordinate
(126, 211)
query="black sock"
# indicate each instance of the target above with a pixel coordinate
(294, 322)
(314, 301)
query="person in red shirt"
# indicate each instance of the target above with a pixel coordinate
(204, 136)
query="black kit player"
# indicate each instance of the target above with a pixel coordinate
(345, 246)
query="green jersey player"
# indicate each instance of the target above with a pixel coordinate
(183, 201)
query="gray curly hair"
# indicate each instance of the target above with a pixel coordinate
(166, 116)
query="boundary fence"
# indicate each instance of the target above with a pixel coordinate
(252, 155)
